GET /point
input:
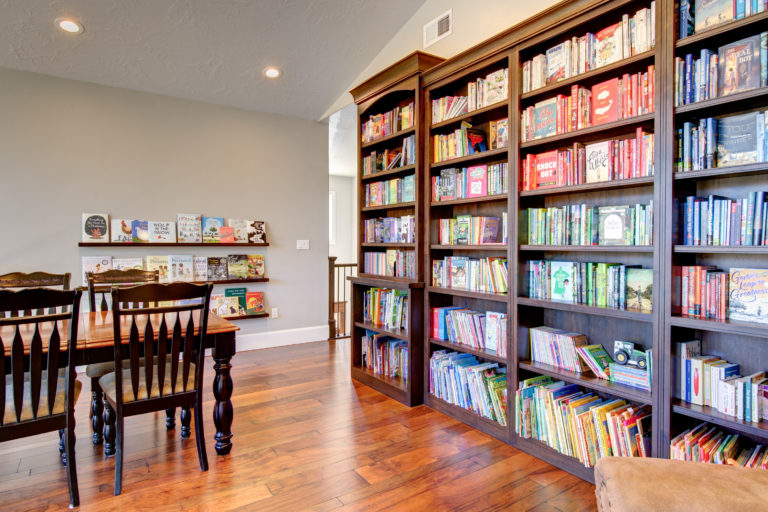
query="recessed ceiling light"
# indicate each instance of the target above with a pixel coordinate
(272, 72)
(69, 25)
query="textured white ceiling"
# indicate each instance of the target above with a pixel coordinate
(207, 50)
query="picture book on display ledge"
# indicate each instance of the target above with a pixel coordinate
(95, 228)
(257, 232)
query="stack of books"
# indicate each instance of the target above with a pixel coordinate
(386, 307)
(468, 230)
(385, 355)
(390, 230)
(481, 331)
(394, 191)
(468, 182)
(378, 161)
(708, 444)
(481, 93)
(392, 263)
(487, 275)
(382, 125)
(717, 220)
(557, 348)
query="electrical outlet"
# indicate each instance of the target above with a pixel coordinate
(274, 313)
(302, 245)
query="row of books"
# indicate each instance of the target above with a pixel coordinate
(237, 302)
(379, 161)
(557, 348)
(603, 285)
(469, 230)
(394, 191)
(581, 224)
(464, 141)
(188, 228)
(633, 35)
(704, 291)
(382, 125)
(467, 182)
(480, 93)
(629, 375)
(735, 67)
(608, 160)
(498, 133)
(391, 263)
(385, 355)
(713, 382)
(733, 140)
(463, 380)
(475, 329)
(606, 102)
(386, 307)
(579, 423)
(716, 220)
(390, 230)
(698, 15)
(182, 267)
(708, 444)
(486, 275)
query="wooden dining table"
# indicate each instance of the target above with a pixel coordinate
(95, 345)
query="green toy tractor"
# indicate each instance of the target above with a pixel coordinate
(624, 352)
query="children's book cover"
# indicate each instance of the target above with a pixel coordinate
(562, 281)
(95, 227)
(254, 303)
(255, 265)
(121, 231)
(189, 228)
(748, 295)
(211, 227)
(639, 290)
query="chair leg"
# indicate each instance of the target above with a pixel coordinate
(109, 430)
(186, 422)
(170, 418)
(74, 492)
(97, 411)
(119, 456)
(200, 437)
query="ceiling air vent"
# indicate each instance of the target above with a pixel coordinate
(438, 28)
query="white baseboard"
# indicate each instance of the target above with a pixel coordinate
(257, 340)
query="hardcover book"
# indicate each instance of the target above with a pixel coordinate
(610, 45)
(613, 225)
(748, 295)
(189, 228)
(495, 87)
(257, 231)
(211, 227)
(477, 181)
(161, 264)
(739, 64)
(545, 118)
(217, 268)
(737, 139)
(546, 169)
(240, 227)
(121, 231)
(200, 268)
(708, 13)
(448, 184)
(95, 264)
(140, 231)
(128, 263)
(95, 227)
(605, 106)
(495, 332)
(239, 294)
(562, 275)
(255, 265)
(502, 133)
(639, 289)
(181, 267)
(556, 57)
(459, 273)
(490, 228)
(254, 303)
(599, 159)
(237, 266)
(226, 235)
(161, 231)
(219, 304)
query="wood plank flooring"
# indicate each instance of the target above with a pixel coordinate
(306, 438)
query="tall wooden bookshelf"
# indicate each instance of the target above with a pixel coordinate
(395, 87)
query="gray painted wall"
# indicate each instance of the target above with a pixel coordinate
(68, 147)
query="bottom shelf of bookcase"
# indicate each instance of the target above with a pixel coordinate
(490, 427)
(557, 459)
(394, 388)
(708, 414)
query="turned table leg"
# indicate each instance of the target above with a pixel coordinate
(222, 409)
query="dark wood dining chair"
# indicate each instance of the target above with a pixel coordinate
(101, 284)
(165, 363)
(21, 280)
(40, 388)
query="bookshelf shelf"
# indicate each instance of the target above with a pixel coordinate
(700, 107)
(237, 318)
(485, 247)
(728, 327)
(384, 244)
(557, 459)
(410, 204)
(589, 75)
(498, 297)
(589, 310)
(392, 172)
(483, 424)
(706, 413)
(724, 172)
(607, 128)
(729, 29)
(393, 387)
(589, 187)
(402, 283)
(588, 248)
(470, 159)
(170, 244)
(490, 355)
(722, 249)
(388, 138)
(236, 281)
(499, 108)
(400, 334)
(589, 381)
(470, 200)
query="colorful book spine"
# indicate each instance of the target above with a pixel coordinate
(384, 355)
(392, 263)
(486, 275)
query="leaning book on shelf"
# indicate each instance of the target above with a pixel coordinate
(712, 445)
(699, 15)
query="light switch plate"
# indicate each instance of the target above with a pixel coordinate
(302, 245)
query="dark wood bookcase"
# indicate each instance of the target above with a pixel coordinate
(398, 85)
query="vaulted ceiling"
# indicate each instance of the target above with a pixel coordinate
(206, 50)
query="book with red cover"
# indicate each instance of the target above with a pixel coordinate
(605, 102)
(477, 181)
(546, 169)
(226, 235)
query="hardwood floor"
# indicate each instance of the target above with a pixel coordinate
(306, 438)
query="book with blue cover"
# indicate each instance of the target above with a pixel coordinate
(739, 64)
(737, 139)
(545, 118)
(708, 13)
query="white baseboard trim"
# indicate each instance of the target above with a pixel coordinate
(257, 340)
